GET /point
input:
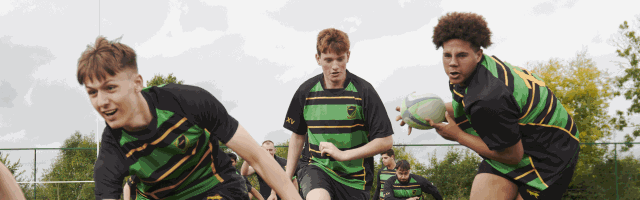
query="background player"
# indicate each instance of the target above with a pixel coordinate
(405, 185)
(505, 114)
(247, 170)
(252, 191)
(167, 136)
(388, 170)
(346, 124)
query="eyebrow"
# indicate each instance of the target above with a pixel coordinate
(106, 82)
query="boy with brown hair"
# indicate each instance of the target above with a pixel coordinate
(167, 136)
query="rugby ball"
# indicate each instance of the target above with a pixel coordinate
(416, 107)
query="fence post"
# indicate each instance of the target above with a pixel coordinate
(34, 174)
(615, 157)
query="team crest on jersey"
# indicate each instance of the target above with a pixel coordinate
(182, 143)
(351, 112)
(414, 192)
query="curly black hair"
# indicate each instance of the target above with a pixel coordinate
(469, 27)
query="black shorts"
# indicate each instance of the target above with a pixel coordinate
(312, 177)
(527, 192)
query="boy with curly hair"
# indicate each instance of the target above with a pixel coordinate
(505, 114)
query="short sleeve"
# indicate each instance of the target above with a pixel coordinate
(294, 121)
(208, 112)
(378, 121)
(496, 121)
(110, 169)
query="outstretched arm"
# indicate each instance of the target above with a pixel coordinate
(266, 167)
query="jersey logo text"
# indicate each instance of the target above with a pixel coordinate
(290, 121)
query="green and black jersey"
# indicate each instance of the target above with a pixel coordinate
(177, 156)
(503, 104)
(383, 175)
(349, 118)
(396, 190)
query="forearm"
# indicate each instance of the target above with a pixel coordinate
(295, 149)
(246, 169)
(266, 167)
(256, 194)
(477, 145)
(372, 148)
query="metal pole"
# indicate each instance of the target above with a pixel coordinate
(34, 174)
(615, 157)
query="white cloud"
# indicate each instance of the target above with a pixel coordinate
(7, 6)
(50, 145)
(14, 137)
(27, 97)
(171, 40)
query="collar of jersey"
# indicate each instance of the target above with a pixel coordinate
(347, 80)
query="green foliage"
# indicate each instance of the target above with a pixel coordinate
(13, 167)
(158, 79)
(455, 173)
(71, 165)
(603, 179)
(628, 47)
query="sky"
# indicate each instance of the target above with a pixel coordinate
(253, 55)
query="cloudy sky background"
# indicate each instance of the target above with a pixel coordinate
(253, 55)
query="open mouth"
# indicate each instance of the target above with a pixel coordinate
(110, 113)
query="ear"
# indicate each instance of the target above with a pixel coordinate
(138, 81)
(318, 58)
(479, 55)
(348, 55)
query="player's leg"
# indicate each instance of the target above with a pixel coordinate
(315, 183)
(488, 184)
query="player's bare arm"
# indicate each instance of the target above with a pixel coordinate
(247, 148)
(295, 149)
(372, 148)
(256, 194)
(450, 131)
(9, 188)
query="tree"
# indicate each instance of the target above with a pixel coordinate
(71, 165)
(628, 47)
(454, 174)
(158, 79)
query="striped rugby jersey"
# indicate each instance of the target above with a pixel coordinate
(503, 104)
(177, 156)
(349, 118)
